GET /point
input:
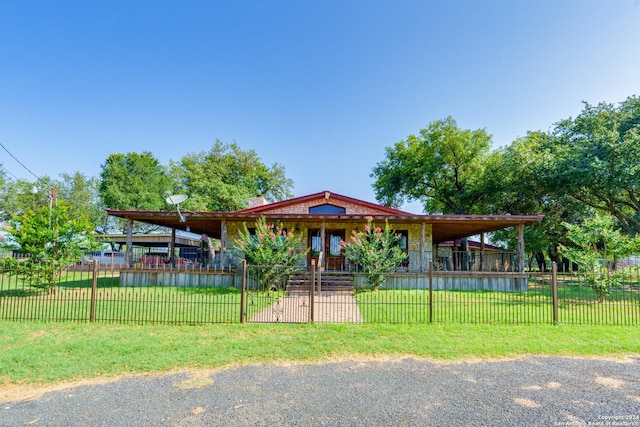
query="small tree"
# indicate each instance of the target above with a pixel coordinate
(272, 250)
(597, 248)
(377, 251)
(52, 238)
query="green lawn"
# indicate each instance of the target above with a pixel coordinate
(181, 305)
(467, 325)
(576, 304)
(41, 352)
(197, 305)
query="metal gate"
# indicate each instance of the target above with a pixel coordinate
(277, 294)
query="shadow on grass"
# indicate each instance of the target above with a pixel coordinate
(20, 293)
(209, 290)
(103, 282)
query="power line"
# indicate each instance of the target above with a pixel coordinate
(4, 168)
(16, 159)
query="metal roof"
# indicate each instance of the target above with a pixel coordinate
(154, 240)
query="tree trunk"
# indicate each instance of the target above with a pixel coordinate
(541, 260)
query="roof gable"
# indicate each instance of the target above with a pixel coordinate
(301, 205)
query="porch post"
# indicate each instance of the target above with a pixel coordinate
(422, 248)
(172, 248)
(454, 256)
(223, 243)
(521, 248)
(129, 254)
(323, 238)
(481, 251)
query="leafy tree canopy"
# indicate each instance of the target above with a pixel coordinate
(78, 191)
(81, 193)
(443, 167)
(135, 181)
(597, 160)
(519, 177)
(225, 177)
(596, 246)
(53, 237)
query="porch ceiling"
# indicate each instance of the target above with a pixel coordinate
(444, 227)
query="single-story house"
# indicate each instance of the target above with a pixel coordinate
(325, 218)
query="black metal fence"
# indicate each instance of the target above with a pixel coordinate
(88, 293)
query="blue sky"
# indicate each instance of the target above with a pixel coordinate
(321, 87)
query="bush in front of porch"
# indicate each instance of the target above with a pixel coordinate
(272, 249)
(375, 250)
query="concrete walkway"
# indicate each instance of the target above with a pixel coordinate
(329, 307)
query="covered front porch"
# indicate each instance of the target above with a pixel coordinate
(323, 221)
(422, 236)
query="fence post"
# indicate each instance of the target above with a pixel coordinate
(94, 291)
(319, 267)
(554, 290)
(312, 291)
(243, 290)
(431, 290)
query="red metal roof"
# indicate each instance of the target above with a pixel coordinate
(327, 195)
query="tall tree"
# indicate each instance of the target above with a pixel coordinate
(78, 191)
(520, 179)
(597, 246)
(133, 181)
(443, 167)
(5, 185)
(598, 160)
(225, 177)
(81, 193)
(53, 236)
(19, 196)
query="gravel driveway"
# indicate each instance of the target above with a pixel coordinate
(532, 391)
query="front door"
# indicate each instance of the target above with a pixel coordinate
(333, 256)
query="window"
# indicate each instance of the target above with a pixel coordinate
(254, 236)
(334, 245)
(404, 245)
(316, 245)
(404, 239)
(327, 209)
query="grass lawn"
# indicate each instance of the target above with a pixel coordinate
(161, 304)
(198, 305)
(45, 353)
(576, 304)
(34, 352)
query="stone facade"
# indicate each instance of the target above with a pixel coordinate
(337, 207)
(419, 251)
